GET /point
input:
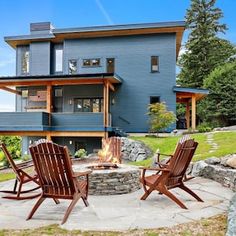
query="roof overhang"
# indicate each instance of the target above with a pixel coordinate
(59, 35)
(184, 95)
(41, 80)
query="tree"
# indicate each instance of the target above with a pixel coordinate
(204, 49)
(221, 102)
(159, 117)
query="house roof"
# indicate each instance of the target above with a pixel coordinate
(66, 79)
(183, 94)
(58, 35)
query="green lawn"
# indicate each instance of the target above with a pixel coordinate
(6, 176)
(225, 140)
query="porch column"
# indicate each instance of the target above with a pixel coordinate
(106, 105)
(49, 98)
(193, 111)
(187, 114)
(49, 137)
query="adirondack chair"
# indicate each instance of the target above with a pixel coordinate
(56, 177)
(171, 175)
(158, 162)
(22, 177)
(112, 146)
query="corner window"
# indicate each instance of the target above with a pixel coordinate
(25, 61)
(72, 66)
(154, 99)
(110, 65)
(92, 62)
(154, 64)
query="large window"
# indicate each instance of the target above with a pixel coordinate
(154, 64)
(72, 66)
(110, 65)
(88, 105)
(94, 62)
(25, 61)
(58, 58)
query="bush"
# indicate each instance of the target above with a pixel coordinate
(80, 153)
(5, 162)
(2, 155)
(204, 127)
(26, 157)
(13, 144)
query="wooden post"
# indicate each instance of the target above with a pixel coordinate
(49, 98)
(106, 105)
(193, 112)
(187, 115)
(49, 137)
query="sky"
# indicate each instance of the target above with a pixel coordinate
(16, 15)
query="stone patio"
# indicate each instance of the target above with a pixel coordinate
(119, 212)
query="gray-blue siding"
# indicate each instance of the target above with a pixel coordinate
(132, 63)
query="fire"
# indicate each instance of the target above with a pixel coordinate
(105, 154)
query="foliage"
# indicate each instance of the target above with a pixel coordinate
(13, 144)
(204, 49)
(221, 101)
(26, 157)
(2, 156)
(204, 127)
(159, 117)
(80, 153)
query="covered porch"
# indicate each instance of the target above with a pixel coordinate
(189, 97)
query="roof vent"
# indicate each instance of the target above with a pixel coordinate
(41, 26)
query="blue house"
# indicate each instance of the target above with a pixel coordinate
(77, 85)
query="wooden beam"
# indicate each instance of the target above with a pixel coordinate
(49, 137)
(49, 99)
(54, 133)
(111, 86)
(193, 112)
(11, 90)
(187, 114)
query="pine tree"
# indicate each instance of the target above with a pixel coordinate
(204, 49)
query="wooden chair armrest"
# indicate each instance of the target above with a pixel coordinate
(153, 168)
(82, 173)
(25, 165)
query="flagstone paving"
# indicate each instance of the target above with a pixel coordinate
(119, 212)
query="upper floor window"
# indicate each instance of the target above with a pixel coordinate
(92, 62)
(25, 61)
(110, 65)
(154, 64)
(58, 58)
(154, 99)
(72, 66)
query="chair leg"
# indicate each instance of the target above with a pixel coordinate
(15, 185)
(85, 201)
(69, 209)
(19, 190)
(189, 191)
(36, 206)
(165, 191)
(56, 200)
(147, 192)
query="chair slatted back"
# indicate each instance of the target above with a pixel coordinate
(114, 146)
(182, 157)
(9, 158)
(53, 166)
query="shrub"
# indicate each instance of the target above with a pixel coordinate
(2, 155)
(204, 127)
(80, 153)
(159, 117)
(5, 162)
(26, 157)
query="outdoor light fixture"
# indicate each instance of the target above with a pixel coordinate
(30, 142)
(113, 101)
(70, 142)
(70, 102)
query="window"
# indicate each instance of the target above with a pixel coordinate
(110, 65)
(72, 66)
(58, 92)
(58, 58)
(154, 99)
(25, 61)
(154, 64)
(91, 62)
(88, 105)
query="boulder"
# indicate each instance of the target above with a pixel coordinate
(213, 161)
(198, 168)
(231, 228)
(133, 150)
(231, 162)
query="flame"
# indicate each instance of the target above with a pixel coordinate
(105, 154)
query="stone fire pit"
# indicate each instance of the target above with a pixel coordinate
(121, 180)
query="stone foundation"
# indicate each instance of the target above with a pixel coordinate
(124, 179)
